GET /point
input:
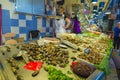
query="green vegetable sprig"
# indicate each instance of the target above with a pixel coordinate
(55, 74)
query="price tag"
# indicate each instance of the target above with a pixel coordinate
(87, 51)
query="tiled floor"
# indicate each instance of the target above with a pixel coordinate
(113, 72)
(115, 67)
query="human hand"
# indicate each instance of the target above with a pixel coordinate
(65, 27)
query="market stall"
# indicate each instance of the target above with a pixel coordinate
(87, 57)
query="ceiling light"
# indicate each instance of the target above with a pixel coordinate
(94, 1)
(108, 12)
(94, 10)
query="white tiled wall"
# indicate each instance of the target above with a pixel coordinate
(28, 17)
(23, 35)
(22, 23)
(15, 30)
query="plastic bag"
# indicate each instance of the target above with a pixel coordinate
(33, 66)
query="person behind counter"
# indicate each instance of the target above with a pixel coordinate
(68, 24)
(116, 36)
(59, 23)
(76, 25)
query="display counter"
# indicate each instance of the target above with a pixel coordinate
(9, 51)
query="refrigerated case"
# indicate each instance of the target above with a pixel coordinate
(27, 74)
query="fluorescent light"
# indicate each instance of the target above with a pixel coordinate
(99, 12)
(94, 10)
(108, 12)
(94, 2)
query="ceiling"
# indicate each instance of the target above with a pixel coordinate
(106, 3)
(69, 3)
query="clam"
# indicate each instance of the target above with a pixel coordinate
(62, 65)
(14, 70)
(19, 77)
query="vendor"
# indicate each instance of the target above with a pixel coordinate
(68, 24)
(76, 25)
(117, 36)
(60, 23)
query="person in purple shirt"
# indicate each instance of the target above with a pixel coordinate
(76, 25)
(117, 36)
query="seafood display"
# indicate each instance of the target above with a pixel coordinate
(48, 53)
(56, 58)
(99, 46)
(73, 40)
(92, 57)
(15, 68)
(82, 69)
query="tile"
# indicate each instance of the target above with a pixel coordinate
(14, 22)
(51, 22)
(6, 5)
(14, 15)
(47, 29)
(49, 12)
(116, 59)
(28, 17)
(5, 17)
(29, 23)
(112, 75)
(51, 34)
(22, 23)
(6, 29)
(34, 18)
(43, 34)
(22, 16)
(42, 29)
(39, 23)
(34, 23)
(51, 29)
(48, 23)
(23, 30)
(15, 30)
(112, 65)
(43, 22)
(17, 35)
(23, 35)
(48, 33)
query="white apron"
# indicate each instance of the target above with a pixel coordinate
(60, 26)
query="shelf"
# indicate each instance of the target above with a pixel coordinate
(48, 16)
